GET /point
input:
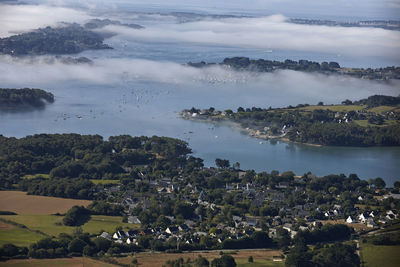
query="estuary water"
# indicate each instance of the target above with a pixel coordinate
(139, 87)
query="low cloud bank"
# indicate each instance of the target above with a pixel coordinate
(212, 81)
(15, 19)
(273, 32)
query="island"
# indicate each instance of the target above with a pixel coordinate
(70, 39)
(100, 23)
(22, 99)
(374, 121)
(383, 24)
(328, 68)
(144, 194)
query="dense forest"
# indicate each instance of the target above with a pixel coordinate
(81, 157)
(16, 98)
(349, 124)
(70, 39)
(262, 65)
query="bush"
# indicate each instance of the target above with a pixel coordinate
(4, 212)
(76, 216)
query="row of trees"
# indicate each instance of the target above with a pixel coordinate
(379, 100)
(223, 261)
(327, 233)
(337, 254)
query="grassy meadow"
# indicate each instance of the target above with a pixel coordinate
(338, 108)
(18, 236)
(52, 224)
(380, 256)
(262, 257)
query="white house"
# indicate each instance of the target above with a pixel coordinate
(303, 228)
(329, 214)
(336, 212)
(362, 218)
(119, 235)
(131, 240)
(350, 220)
(172, 230)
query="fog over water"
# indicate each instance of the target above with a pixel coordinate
(139, 87)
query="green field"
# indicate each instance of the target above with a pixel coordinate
(262, 257)
(259, 263)
(383, 109)
(339, 108)
(52, 225)
(101, 181)
(365, 123)
(394, 227)
(382, 256)
(19, 236)
(106, 223)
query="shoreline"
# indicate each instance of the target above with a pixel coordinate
(250, 132)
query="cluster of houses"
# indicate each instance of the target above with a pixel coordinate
(172, 232)
(240, 226)
(370, 218)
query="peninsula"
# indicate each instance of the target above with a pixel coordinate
(374, 121)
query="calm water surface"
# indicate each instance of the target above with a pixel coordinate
(146, 107)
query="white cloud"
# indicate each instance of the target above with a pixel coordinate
(20, 18)
(273, 32)
(241, 87)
